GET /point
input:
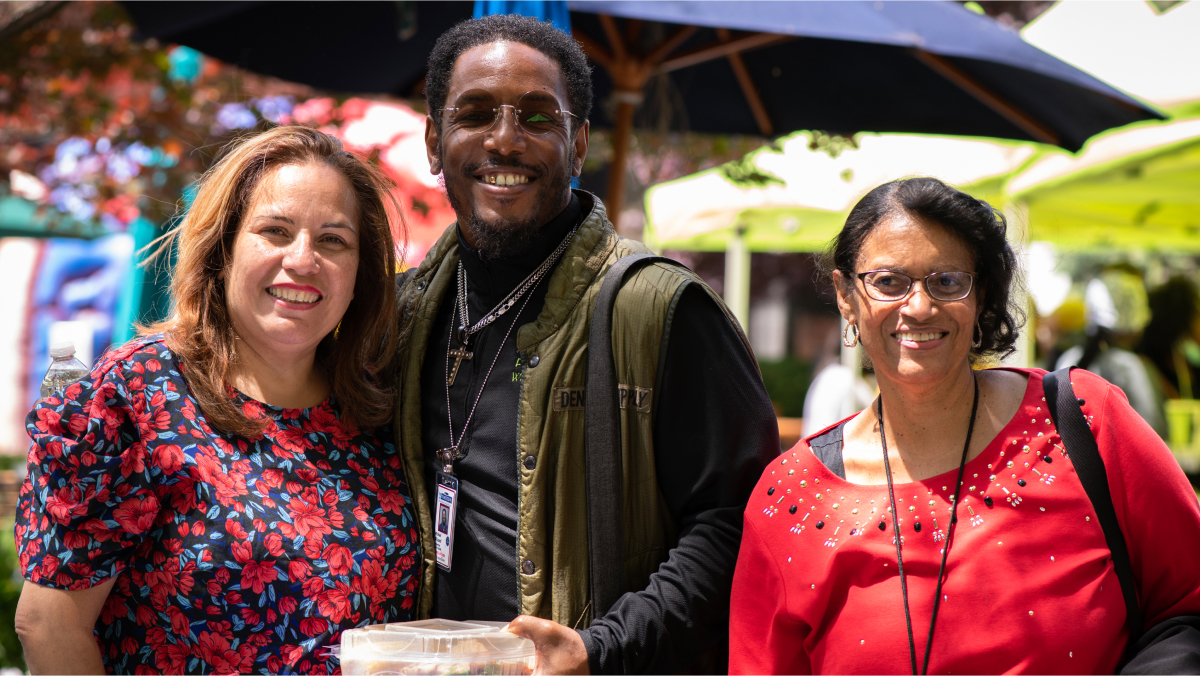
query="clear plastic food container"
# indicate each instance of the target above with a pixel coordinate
(434, 647)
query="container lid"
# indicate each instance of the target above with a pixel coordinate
(63, 348)
(433, 639)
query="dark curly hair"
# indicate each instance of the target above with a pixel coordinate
(974, 222)
(542, 36)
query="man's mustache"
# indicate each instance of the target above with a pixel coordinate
(499, 163)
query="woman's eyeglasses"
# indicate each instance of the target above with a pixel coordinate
(535, 113)
(887, 285)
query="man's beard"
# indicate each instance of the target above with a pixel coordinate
(505, 237)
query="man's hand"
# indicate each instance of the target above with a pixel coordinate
(560, 650)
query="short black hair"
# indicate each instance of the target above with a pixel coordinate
(976, 223)
(540, 35)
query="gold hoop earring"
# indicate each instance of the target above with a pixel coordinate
(976, 342)
(851, 327)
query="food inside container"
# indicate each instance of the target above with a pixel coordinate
(434, 647)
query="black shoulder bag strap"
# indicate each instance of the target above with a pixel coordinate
(602, 442)
(1081, 446)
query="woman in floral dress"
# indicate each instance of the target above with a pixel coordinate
(221, 494)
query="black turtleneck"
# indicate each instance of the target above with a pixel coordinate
(714, 432)
(484, 581)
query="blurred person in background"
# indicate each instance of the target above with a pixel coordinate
(836, 392)
(1117, 310)
(950, 504)
(1172, 338)
(222, 494)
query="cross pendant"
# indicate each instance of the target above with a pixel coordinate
(459, 355)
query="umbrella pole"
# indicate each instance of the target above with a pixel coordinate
(620, 146)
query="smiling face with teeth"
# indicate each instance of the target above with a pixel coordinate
(504, 183)
(295, 259)
(915, 339)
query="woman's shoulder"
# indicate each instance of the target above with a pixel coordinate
(146, 352)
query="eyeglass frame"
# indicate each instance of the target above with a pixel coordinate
(498, 110)
(912, 283)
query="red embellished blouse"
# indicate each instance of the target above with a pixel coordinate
(1029, 584)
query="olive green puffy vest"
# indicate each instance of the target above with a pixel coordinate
(551, 559)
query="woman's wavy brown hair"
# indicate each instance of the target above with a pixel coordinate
(355, 355)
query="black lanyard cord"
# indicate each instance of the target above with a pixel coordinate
(912, 648)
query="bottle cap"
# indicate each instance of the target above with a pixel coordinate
(62, 349)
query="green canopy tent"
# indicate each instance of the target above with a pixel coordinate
(1137, 187)
(796, 197)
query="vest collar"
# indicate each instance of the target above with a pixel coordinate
(580, 264)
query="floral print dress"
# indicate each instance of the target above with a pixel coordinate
(231, 555)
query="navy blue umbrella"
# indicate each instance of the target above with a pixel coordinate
(774, 67)
(733, 67)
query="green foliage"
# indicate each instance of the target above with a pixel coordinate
(787, 382)
(831, 143)
(10, 590)
(745, 172)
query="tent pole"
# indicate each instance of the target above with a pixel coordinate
(737, 278)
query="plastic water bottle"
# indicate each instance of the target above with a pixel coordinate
(64, 370)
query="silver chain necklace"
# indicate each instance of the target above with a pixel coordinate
(451, 453)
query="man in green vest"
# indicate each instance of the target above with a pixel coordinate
(491, 404)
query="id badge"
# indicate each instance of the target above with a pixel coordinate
(444, 512)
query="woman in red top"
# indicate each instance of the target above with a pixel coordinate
(1023, 581)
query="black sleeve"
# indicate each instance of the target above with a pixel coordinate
(1169, 647)
(714, 432)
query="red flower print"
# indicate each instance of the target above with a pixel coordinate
(193, 592)
(235, 529)
(292, 654)
(290, 443)
(392, 501)
(298, 570)
(313, 547)
(79, 422)
(313, 626)
(214, 649)
(335, 603)
(114, 607)
(145, 616)
(273, 477)
(136, 515)
(133, 460)
(274, 543)
(313, 586)
(242, 552)
(179, 621)
(48, 422)
(257, 575)
(168, 457)
(65, 504)
(340, 559)
(308, 518)
(250, 616)
(171, 658)
(49, 566)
